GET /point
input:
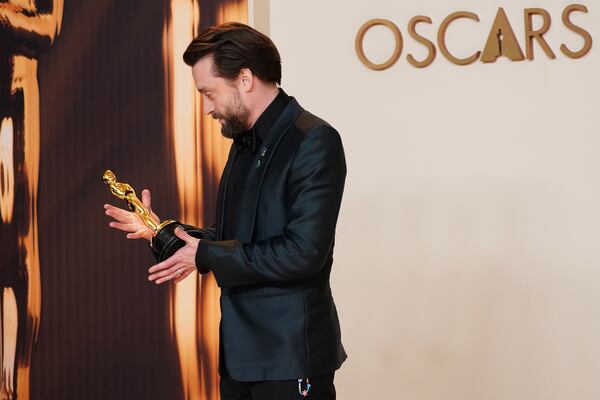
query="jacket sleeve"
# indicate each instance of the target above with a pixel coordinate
(200, 233)
(315, 185)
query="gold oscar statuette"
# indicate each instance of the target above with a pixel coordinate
(164, 240)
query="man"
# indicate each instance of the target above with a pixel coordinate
(271, 249)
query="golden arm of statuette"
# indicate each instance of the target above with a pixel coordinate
(124, 191)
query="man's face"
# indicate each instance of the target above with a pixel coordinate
(221, 99)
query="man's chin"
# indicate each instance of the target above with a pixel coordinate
(226, 132)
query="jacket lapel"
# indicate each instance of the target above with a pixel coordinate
(249, 201)
(222, 192)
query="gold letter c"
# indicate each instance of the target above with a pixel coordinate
(442, 38)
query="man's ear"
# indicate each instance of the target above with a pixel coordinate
(245, 80)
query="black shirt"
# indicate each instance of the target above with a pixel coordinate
(246, 148)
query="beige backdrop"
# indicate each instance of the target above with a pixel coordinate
(467, 253)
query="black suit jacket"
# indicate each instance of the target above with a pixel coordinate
(279, 320)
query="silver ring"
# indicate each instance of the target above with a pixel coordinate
(179, 271)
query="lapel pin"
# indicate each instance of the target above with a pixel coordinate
(257, 163)
(263, 152)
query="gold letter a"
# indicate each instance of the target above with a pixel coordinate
(501, 41)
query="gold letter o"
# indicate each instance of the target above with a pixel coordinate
(361, 35)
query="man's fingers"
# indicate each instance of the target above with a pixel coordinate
(181, 234)
(168, 263)
(169, 274)
(118, 214)
(110, 207)
(162, 274)
(136, 235)
(121, 226)
(184, 275)
(147, 199)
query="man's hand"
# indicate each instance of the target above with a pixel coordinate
(180, 264)
(130, 222)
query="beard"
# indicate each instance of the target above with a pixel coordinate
(235, 118)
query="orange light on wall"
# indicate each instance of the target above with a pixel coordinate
(32, 32)
(199, 152)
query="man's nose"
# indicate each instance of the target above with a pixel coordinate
(208, 107)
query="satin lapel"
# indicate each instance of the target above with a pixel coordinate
(223, 192)
(249, 200)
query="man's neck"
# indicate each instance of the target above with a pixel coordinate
(262, 104)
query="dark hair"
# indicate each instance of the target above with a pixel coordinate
(235, 46)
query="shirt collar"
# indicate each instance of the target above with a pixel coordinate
(260, 130)
(267, 119)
